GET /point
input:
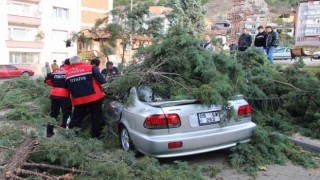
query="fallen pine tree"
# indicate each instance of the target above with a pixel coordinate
(284, 99)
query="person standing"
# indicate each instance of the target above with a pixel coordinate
(46, 69)
(272, 41)
(207, 44)
(110, 70)
(59, 95)
(84, 82)
(233, 48)
(260, 40)
(245, 40)
(95, 62)
(54, 65)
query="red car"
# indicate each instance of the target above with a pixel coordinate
(12, 71)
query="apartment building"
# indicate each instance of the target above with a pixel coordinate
(91, 11)
(33, 32)
(253, 21)
(308, 23)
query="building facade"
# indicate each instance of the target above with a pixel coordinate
(308, 24)
(33, 32)
(253, 21)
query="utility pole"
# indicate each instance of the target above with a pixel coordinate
(130, 38)
(235, 17)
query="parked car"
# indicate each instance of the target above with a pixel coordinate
(316, 55)
(282, 53)
(12, 71)
(161, 128)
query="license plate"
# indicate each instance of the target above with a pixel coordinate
(208, 118)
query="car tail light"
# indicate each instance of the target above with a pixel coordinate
(244, 110)
(162, 121)
(173, 145)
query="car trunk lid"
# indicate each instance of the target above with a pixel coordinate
(195, 116)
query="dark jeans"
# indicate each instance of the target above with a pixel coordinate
(96, 116)
(65, 104)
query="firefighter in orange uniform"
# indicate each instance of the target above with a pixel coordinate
(84, 82)
(59, 95)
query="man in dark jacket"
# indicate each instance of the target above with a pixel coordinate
(245, 40)
(59, 95)
(260, 40)
(272, 41)
(84, 82)
(110, 70)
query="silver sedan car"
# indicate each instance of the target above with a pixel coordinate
(162, 128)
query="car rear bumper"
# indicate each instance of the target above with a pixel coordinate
(193, 142)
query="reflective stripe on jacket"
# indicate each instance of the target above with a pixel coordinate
(57, 79)
(84, 82)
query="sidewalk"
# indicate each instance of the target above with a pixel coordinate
(307, 61)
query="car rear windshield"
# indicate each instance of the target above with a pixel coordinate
(147, 94)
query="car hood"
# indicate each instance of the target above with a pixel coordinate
(317, 52)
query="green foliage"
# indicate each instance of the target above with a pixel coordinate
(211, 171)
(10, 137)
(268, 148)
(289, 3)
(15, 92)
(187, 14)
(102, 164)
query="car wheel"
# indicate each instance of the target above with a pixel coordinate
(25, 74)
(125, 139)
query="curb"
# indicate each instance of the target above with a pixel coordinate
(306, 145)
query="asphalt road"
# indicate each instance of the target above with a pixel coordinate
(220, 160)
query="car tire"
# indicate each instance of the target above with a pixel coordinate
(125, 140)
(25, 74)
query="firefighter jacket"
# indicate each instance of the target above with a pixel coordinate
(57, 79)
(84, 82)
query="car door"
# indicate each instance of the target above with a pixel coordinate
(3, 71)
(279, 53)
(287, 53)
(13, 71)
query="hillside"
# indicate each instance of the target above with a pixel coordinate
(274, 7)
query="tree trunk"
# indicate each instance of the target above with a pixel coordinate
(19, 157)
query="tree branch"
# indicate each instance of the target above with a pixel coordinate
(287, 84)
(53, 167)
(27, 172)
(3, 147)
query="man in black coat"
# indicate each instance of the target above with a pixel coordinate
(245, 40)
(260, 40)
(272, 41)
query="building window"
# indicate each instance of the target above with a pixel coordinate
(60, 13)
(21, 34)
(20, 9)
(84, 46)
(59, 36)
(24, 57)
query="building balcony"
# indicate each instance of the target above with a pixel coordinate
(31, 1)
(24, 44)
(312, 25)
(312, 34)
(313, 16)
(307, 43)
(24, 20)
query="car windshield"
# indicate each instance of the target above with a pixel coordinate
(280, 50)
(146, 94)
